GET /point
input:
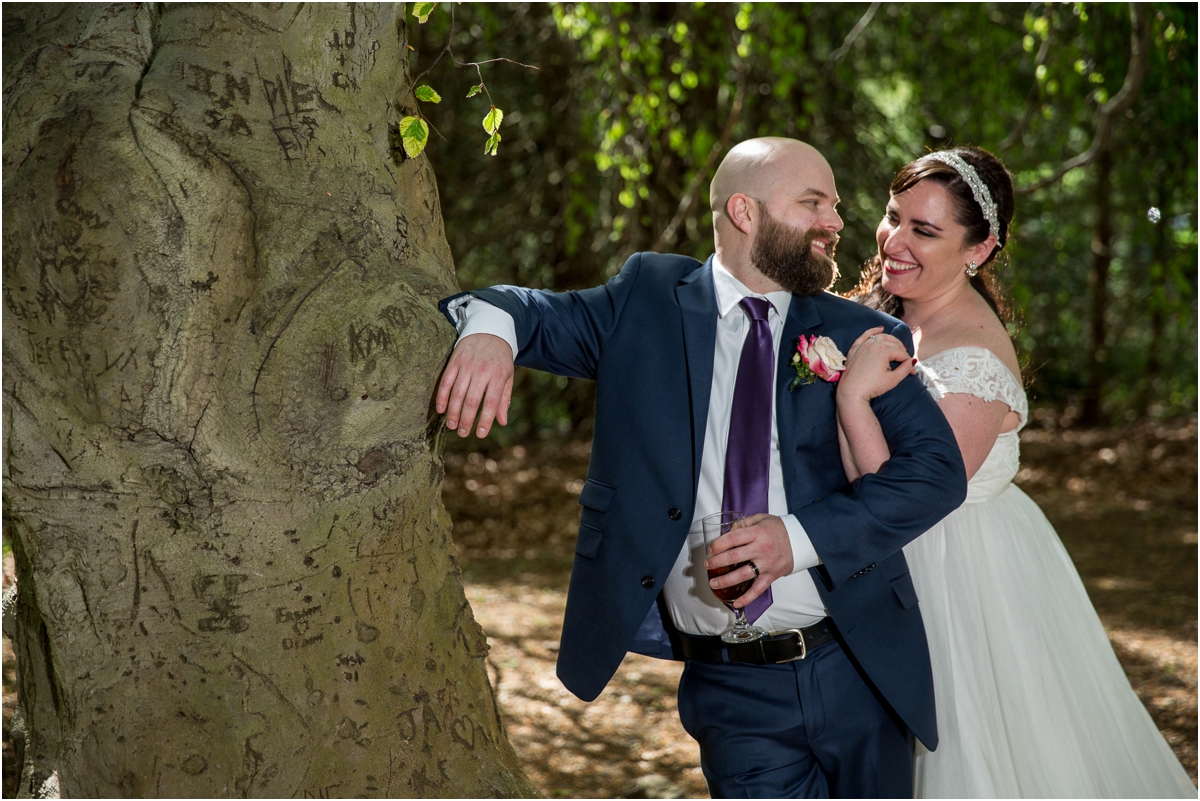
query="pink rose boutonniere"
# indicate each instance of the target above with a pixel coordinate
(816, 357)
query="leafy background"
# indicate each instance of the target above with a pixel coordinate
(608, 147)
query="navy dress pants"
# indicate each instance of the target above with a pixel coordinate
(806, 729)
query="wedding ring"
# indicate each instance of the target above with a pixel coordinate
(753, 567)
(874, 337)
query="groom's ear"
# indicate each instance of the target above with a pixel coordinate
(742, 212)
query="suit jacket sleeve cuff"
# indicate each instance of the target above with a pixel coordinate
(804, 555)
(475, 316)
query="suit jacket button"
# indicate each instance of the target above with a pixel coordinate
(647, 581)
(674, 514)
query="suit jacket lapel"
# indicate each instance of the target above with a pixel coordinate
(698, 307)
(802, 318)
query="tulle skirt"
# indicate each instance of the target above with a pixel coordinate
(1031, 701)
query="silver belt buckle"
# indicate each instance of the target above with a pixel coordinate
(799, 637)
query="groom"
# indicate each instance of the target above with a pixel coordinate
(695, 414)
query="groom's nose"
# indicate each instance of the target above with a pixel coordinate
(831, 221)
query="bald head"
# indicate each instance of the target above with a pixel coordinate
(774, 202)
(763, 168)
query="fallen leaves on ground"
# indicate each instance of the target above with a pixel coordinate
(1123, 502)
(627, 743)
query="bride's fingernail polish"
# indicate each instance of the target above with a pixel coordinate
(914, 359)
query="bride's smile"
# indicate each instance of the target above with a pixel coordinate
(922, 244)
(897, 266)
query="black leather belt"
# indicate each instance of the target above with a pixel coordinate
(777, 647)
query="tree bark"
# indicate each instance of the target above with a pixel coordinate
(223, 471)
(1158, 298)
(1098, 290)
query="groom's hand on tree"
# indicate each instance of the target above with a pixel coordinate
(763, 540)
(477, 379)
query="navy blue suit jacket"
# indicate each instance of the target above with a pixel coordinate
(647, 338)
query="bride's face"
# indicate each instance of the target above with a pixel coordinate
(921, 245)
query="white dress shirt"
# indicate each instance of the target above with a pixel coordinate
(693, 607)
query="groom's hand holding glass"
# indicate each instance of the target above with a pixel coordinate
(764, 541)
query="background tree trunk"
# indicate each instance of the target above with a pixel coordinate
(1098, 292)
(223, 473)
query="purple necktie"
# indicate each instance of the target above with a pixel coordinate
(748, 454)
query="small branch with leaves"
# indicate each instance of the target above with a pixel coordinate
(691, 194)
(414, 128)
(1107, 114)
(837, 55)
(1032, 103)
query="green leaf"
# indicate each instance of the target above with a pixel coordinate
(414, 135)
(491, 123)
(493, 143)
(426, 93)
(422, 10)
(475, 90)
(743, 19)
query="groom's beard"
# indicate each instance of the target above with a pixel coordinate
(785, 255)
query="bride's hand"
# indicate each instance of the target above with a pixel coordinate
(868, 372)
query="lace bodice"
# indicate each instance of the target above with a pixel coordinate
(979, 372)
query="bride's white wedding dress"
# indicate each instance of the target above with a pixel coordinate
(1031, 701)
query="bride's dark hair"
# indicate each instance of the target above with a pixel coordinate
(870, 291)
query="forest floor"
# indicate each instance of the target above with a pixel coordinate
(1124, 501)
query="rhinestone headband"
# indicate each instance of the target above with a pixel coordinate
(978, 188)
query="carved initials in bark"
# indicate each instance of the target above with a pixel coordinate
(220, 346)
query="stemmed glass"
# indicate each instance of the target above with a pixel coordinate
(715, 525)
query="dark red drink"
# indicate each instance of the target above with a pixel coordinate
(729, 594)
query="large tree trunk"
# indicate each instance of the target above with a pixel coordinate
(223, 472)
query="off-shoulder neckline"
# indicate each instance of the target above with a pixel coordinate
(976, 349)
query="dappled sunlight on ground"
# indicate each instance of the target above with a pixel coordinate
(1123, 501)
(626, 743)
(1162, 670)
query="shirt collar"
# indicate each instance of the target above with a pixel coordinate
(730, 292)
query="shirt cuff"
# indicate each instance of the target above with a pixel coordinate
(477, 316)
(804, 555)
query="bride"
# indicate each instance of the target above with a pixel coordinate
(1031, 701)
